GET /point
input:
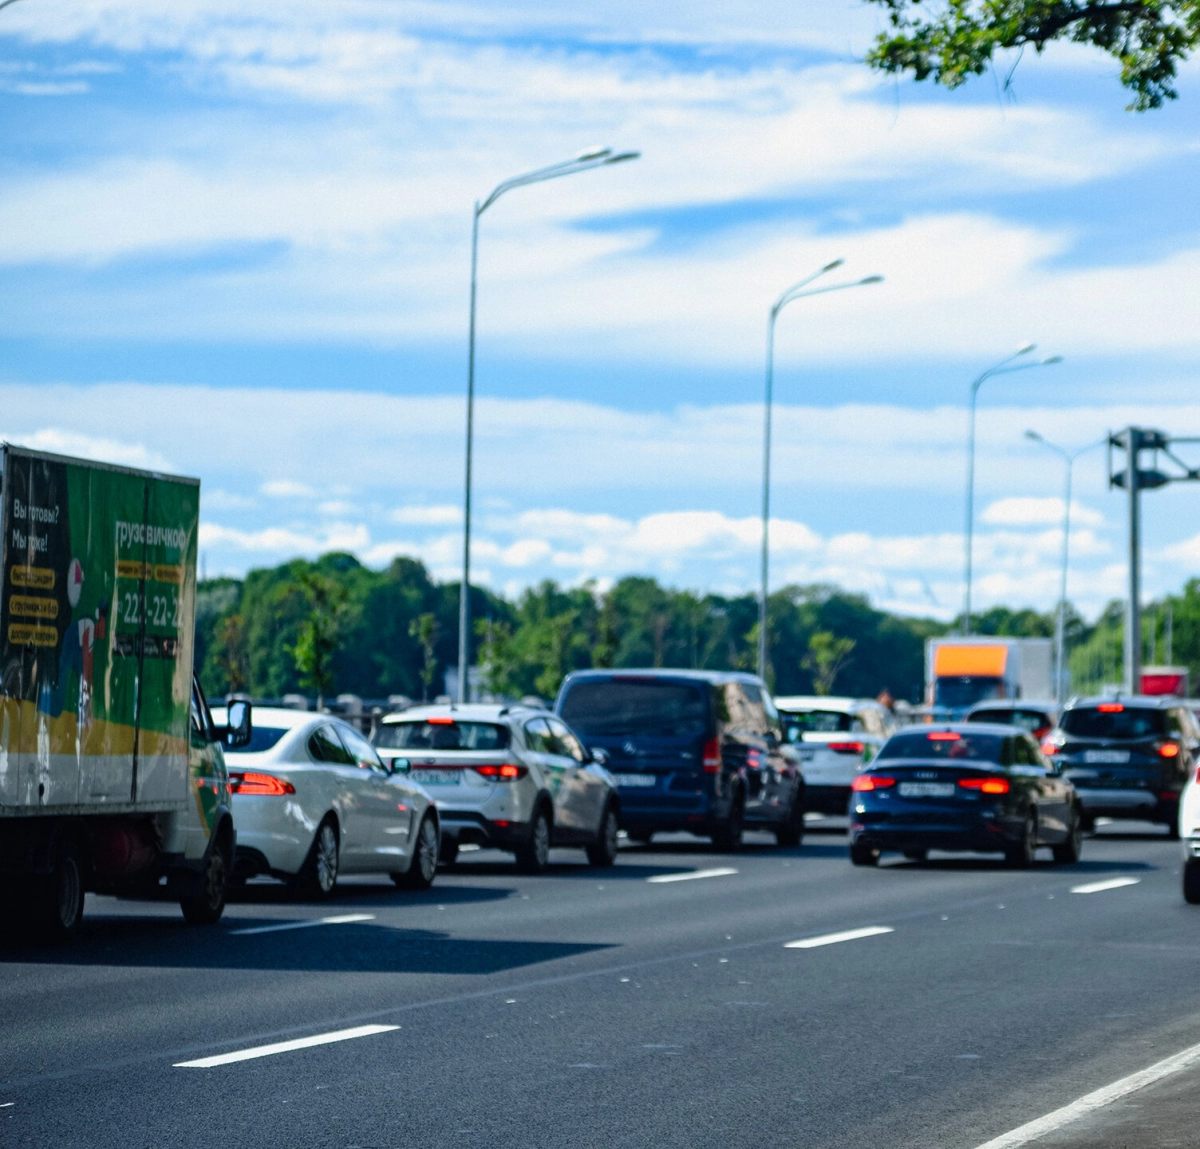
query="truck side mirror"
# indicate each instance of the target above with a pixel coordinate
(238, 730)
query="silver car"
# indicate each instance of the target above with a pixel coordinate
(312, 800)
(509, 777)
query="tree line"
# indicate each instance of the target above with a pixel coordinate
(334, 625)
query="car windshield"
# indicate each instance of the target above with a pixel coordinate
(944, 744)
(802, 722)
(1025, 719)
(1113, 721)
(621, 706)
(261, 738)
(441, 734)
(959, 693)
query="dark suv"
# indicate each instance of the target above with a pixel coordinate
(694, 750)
(1127, 757)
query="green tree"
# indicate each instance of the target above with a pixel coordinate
(319, 631)
(230, 652)
(952, 40)
(424, 629)
(827, 654)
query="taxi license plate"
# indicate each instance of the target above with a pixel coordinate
(1112, 757)
(645, 780)
(436, 777)
(926, 789)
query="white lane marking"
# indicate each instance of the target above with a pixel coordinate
(7, 1105)
(719, 872)
(285, 1046)
(1097, 1099)
(833, 939)
(1100, 887)
(337, 920)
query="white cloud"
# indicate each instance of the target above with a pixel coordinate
(85, 446)
(287, 489)
(439, 516)
(1029, 512)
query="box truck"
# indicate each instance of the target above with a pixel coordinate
(112, 775)
(962, 671)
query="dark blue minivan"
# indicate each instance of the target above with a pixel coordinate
(694, 750)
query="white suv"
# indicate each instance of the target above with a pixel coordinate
(510, 777)
(836, 738)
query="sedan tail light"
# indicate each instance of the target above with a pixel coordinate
(846, 747)
(872, 782)
(1050, 747)
(711, 758)
(251, 782)
(501, 771)
(986, 785)
(1168, 749)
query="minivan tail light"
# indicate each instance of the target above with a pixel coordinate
(500, 771)
(846, 747)
(986, 785)
(252, 783)
(711, 758)
(872, 782)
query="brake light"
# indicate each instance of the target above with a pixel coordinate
(501, 771)
(1110, 708)
(943, 736)
(1169, 749)
(986, 785)
(872, 782)
(1041, 731)
(711, 758)
(1168, 795)
(440, 721)
(260, 784)
(846, 747)
(1050, 747)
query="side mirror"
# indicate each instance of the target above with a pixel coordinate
(599, 755)
(236, 733)
(396, 765)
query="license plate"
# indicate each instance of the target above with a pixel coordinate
(645, 780)
(926, 789)
(807, 755)
(436, 777)
(1110, 756)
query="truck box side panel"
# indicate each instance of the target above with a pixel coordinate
(95, 634)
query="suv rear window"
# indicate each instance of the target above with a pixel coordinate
(1127, 722)
(620, 706)
(1026, 719)
(441, 736)
(940, 744)
(814, 722)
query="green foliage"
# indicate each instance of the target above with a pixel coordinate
(952, 40)
(827, 654)
(320, 629)
(424, 629)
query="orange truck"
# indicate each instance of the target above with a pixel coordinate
(960, 672)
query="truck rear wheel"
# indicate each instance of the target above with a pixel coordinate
(58, 905)
(206, 907)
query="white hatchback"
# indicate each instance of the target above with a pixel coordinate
(312, 800)
(836, 738)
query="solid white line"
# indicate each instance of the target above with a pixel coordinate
(285, 1046)
(338, 920)
(833, 939)
(1090, 1102)
(719, 872)
(1099, 887)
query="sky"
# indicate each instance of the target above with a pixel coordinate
(235, 243)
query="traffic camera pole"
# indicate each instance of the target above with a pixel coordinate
(1133, 609)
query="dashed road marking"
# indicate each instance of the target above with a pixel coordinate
(1100, 887)
(843, 936)
(284, 1046)
(718, 872)
(337, 920)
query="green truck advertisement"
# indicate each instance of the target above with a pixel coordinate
(109, 764)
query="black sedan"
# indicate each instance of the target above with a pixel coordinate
(980, 787)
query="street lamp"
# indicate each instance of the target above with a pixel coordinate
(1001, 368)
(796, 291)
(1060, 622)
(585, 161)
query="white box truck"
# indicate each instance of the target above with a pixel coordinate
(112, 775)
(962, 671)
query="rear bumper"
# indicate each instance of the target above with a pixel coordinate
(984, 835)
(1144, 805)
(470, 827)
(642, 811)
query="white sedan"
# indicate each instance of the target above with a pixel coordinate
(312, 800)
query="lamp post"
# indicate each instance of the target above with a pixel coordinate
(585, 161)
(1060, 622)
(796, 291)
(1001, 368)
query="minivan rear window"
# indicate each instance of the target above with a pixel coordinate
(623, 706)
(944, 744)
(446, 735)
(1113, 720)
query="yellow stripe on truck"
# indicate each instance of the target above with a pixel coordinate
(960, 660)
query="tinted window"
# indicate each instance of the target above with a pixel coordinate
(1128, 722)
(815, 722)
(538, 737)
(361, 750)
(743, 704)
(617, 706)
(938, 744)
(959, 693)
(262, 738)
(441, 736)
(1025, 719)
(568, 744)
(325, 746)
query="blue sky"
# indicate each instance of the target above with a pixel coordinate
(235, 244)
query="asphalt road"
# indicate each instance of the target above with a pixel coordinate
(608, 1008)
